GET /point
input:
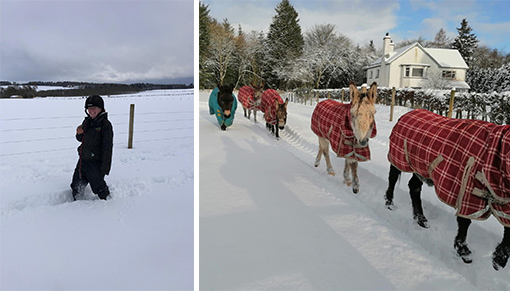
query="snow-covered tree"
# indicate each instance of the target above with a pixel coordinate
(435, 80)
(284, 43)
(204, 42)
(466, 42)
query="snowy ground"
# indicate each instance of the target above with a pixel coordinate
(140, 239)
(270, 220)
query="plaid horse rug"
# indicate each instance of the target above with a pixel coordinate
(468, 161)
(267, 105)
(332, 120)
(246, 97)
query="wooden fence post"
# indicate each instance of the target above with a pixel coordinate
(131, 125)
(392, 102)
(452, 97)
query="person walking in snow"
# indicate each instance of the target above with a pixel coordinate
(95, 151)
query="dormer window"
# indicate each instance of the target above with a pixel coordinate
(448, 74)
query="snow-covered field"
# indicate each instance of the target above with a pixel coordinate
(140, 239)
(270, 220)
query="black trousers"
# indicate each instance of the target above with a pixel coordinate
(89, 172)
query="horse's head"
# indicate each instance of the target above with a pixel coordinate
(281, 113)
(257, 93)
(362, 111)
(225, 98)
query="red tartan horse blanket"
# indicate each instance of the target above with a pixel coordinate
(246, 97)
(267, 105)
(468, 161)
(332, 120)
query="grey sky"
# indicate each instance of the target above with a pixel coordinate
(97, 41)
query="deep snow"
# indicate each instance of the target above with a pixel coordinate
(140, 239)
(270, 220)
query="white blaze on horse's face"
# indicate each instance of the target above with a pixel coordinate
(281, 113)
(362, 112)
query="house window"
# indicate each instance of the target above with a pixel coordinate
(377, 74)
(407, 72)
(417, 72)
(448, 74)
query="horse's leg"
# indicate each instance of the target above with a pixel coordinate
(245, 112)
(276, 126)
(355, 180)
(319, 154)
(324, 145)
(502, 252)
(392, 180)
(254, 115)
(249, 113)
(460, 244)
(347, 173)
(415, 190)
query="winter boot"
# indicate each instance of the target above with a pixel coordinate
(103, 194)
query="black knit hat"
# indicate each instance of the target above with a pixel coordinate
(94, 100)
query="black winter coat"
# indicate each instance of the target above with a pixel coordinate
(97, 141)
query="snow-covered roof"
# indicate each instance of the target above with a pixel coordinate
(459, 85)
(392, 56)
(446, 58)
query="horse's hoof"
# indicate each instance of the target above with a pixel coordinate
(390, 205)
(421, 220)
(463, 251)
(355, 191)
(500, 257)
(331, 171)
(317, 163)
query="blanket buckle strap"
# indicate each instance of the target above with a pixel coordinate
(490, 195)
(465, 177)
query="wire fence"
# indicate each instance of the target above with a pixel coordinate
(178, 123)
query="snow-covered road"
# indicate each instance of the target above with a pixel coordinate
(270, 220)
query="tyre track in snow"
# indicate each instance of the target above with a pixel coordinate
(482, 242)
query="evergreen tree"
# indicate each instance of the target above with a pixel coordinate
(466, 42)
(284, 42)
(204, 42)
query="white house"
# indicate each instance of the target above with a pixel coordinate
(414, 66)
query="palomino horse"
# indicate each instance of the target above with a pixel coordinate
(347, 127)
(250, 99)
(275, 111)
(223, 104)
(467, 161)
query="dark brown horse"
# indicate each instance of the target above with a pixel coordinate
(275, 111)
(467, 162)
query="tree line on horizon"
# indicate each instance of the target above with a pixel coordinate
(71, 88)
(322, 57)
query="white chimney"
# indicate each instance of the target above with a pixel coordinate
(387, 45)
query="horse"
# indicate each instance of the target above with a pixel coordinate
(223, 104)
(348, 128)
(250, 99)
(467, 162)
(275, 111)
